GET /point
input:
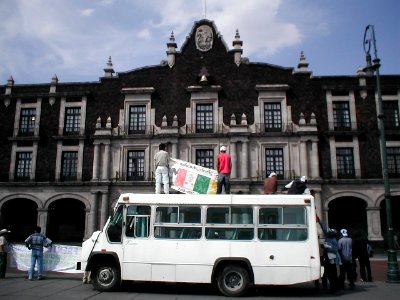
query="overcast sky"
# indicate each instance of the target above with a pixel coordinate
(74, 38)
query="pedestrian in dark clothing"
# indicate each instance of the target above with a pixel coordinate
(346, 254)
(360, 252)
(3, 252)
(331, 259)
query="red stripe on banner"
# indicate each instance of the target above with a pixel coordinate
(180, 177)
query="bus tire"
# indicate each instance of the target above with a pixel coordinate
(105, 277)
(233, 281)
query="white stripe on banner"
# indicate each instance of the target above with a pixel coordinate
(58, 258)
(189, 178)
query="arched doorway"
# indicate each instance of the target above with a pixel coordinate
(66, 221)
(20, 217)
(395, 213)
(349, 213)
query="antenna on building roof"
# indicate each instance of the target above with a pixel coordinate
(205, 9)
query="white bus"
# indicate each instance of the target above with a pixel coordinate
(233, 241)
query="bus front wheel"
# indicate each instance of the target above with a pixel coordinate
(105, 277)
(233, 281)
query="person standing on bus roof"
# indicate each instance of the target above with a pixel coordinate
(271, 183)
(161, 166)
(298, 186)
(3, 253)
(224, 166)
(36, 241)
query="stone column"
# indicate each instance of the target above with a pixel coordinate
(232, 150)
(106, 163)
(104, 208)
(303, 159)
(175, 150)
(245, 159)
(96, 162)
(318, 210)
(42, 219)
(92, 220)
(374, 224)
(314, 160)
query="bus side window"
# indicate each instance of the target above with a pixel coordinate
(114, 230)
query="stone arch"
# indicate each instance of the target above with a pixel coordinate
(348, 212)
(19, 214)
(66, 218)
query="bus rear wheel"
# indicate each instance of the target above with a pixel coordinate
(105, 277)
(233, 281)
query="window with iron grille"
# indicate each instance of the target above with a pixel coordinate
(391, 113)
(27, 121)
(135, 166)
(205, 158)
(341, 115)
(137, 119)
(23, 165)
(72, 120)
(204, 118)
(393, 160)
(272, 117)
(69, 165)
(345, 163)
(274, 162)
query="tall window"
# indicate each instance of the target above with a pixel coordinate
(204, 118)
(69, 165)
(23, 165)
(205, 158)
(27, 121)
(272, 117)
(345, 163)
(341, 115)
(393, 161)
(135, 169)
(274, 162)
(72, 120)
(391, 112)
(137, 119)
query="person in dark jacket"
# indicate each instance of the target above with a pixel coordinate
(360, 252)
(298, 186)
(346, 255)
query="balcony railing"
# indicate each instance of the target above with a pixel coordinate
(351, 126)
(211, 128)
(266, 128)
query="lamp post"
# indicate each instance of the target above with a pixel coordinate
(369, 40)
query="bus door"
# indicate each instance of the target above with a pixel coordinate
(136, 265)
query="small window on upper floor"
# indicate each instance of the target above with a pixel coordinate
(272, 116)
(205, 158)
(393, 161)
(69, 166)
(27, 121)
(23, 167)
(137, 119)
(135, 165)
(391, 113)
(274, 162)
(204, 118)
(345, 163)
(341, 115)
(72, 121)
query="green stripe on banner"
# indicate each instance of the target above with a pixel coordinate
(201, 184)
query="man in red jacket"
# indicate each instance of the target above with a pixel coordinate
(224, 166)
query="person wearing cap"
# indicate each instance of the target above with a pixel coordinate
(3, 252)
(331, 258)
(346, 255)
(224, 166)
(271, 183)
(36, 242)
(161, 166)
(298, 186)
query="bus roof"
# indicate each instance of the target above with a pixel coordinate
(222, 199)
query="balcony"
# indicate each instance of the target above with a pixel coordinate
(211, 128)
(286, 128)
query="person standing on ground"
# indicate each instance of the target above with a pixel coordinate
(36, 242)
(161, 166)
(346, 255)
(360, 252)
(331, 258)
(271, 184)
(224, 166)
(3, 253)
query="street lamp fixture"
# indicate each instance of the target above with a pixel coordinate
(373, 66)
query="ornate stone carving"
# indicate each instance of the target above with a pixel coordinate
(204, 38)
